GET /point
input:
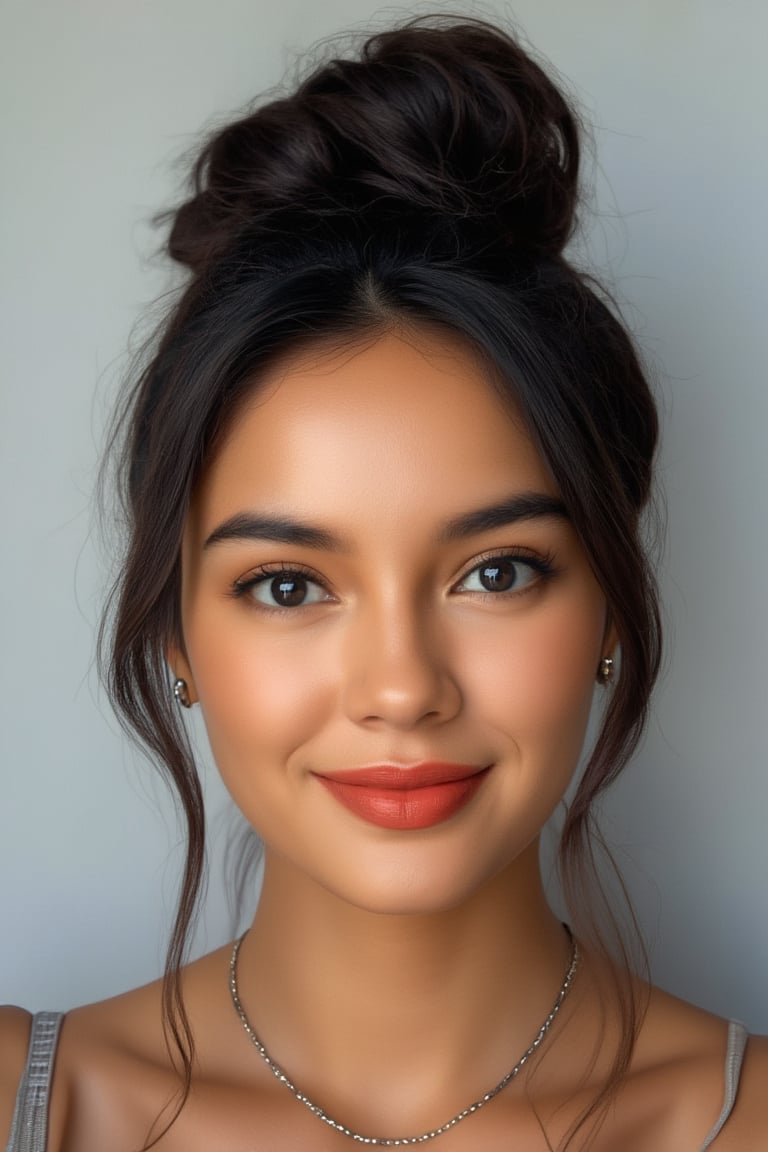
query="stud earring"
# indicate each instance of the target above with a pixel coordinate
(181, 693)
(605, 670)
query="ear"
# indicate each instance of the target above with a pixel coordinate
(180, 669)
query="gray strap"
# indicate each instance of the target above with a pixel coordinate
(737, 1042)
(29, 1130)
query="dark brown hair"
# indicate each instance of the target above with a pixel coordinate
(432, 179)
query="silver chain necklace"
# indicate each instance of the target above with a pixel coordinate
(383, 1141)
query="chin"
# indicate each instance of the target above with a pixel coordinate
(417, 887)
(420, 902)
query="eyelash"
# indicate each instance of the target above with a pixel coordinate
(264, 572)
(542, 564)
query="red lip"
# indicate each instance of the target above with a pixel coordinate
(419, 796)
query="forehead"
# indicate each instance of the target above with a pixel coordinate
(405, 419)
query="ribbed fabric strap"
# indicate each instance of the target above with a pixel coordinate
(29, 1130)
(737, 1042)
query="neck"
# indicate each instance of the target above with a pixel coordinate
(405, 1004)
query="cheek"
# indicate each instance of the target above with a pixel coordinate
(261, 697)
(535, 680)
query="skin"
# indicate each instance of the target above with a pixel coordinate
(396, 974)
(393, 664)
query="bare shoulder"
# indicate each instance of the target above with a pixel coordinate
(680, 1066)
(747, 1128)
(111, 1062)
(14, 1042)
(102, 1058)
(129, 1027)
(114, 1072)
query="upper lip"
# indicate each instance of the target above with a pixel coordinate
(403, 777)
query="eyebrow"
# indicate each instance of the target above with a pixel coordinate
(282, 530)
(524, 506)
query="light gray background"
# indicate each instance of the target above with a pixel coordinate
(96, 98)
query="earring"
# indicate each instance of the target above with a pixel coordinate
(181, 693)
(604, 670)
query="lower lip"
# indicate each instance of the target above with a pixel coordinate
(410, 808)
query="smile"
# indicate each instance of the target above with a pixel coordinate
(405, 798)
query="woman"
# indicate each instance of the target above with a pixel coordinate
(385, 479)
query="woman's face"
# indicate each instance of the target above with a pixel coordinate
(378, 574)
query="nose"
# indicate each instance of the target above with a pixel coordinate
(398, 671)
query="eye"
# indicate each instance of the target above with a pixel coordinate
(504, 574)
(282, 588)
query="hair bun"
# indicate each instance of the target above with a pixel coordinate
(431, 118)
